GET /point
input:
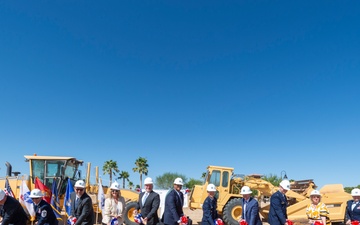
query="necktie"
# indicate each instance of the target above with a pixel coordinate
(246, 202)
(77, 202)
(144, 197)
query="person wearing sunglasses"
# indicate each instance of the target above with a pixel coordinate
(81, 205)
(114, 206)
(317, 211)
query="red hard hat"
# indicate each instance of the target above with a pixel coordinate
(354, 222)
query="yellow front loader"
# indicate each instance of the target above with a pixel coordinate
(228, 187)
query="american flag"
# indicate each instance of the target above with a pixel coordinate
(8, 191)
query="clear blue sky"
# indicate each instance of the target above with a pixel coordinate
(261, 86)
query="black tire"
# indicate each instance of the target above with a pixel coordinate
(128, 215)
(232, 212)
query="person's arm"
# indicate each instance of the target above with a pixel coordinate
(254, 212)
(107, 210)
(276, 204)
(206, 207)
(154, 207)
(171, 202)
(347, 212)
(85, 211)
(324, 212)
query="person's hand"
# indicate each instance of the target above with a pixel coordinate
(145, 220)
(348, 222)
(310, 222)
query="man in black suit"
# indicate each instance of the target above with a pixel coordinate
(148, 204)
(12, 211)
(81, 205)
(174, 201)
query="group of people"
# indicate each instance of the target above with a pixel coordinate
(82, 212)
(149, 202)
(316, 211)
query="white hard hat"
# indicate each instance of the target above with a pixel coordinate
(245, 190)
(80, 184)
(115, 186)
(355, 192)
(178, 181)
(36, 193)
(148, 180)
(2, 194)
(315, 192)
(211, 187)
(285, 184)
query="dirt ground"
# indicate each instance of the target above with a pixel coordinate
(195, 215)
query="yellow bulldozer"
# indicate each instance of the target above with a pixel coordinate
(48, 168)
(228, 187)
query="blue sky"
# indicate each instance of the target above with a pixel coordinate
(261, 86)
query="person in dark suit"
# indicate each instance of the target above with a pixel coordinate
(81, 205)
(174, 201)
(12, 211)
(250, 207)
(209, 206)
(352, 212)
(278, 204)
(44, 213)
(148, 204)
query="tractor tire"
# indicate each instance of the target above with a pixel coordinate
(232, 212)
(128, 215)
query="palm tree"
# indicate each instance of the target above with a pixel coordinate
(130, 185)
(125, 176)
(141, 168)
(110, 167)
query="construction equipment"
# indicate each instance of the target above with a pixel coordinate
(48, 168)
(228, 187)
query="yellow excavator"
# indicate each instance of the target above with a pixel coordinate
(61, 169)
(228, 187)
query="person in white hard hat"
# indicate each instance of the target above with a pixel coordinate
(81, 205)
(114, 205)
(209, 206)
(43, 212)
(174, 202)
(250, 208)
(12, 212)
(353, 207)
(278, 204)
(148, 203)
(317, 211)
